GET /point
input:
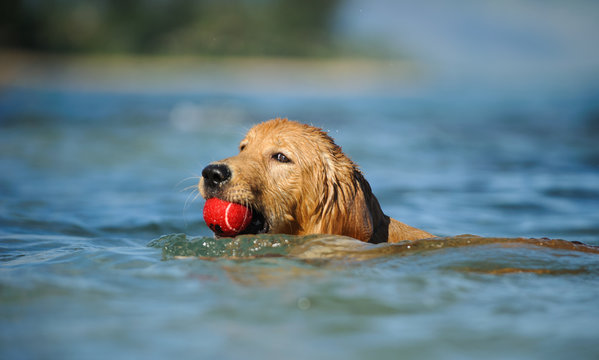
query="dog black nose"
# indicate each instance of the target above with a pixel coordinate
(216, 174)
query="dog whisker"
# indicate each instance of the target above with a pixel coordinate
(196, 178)
(195, 193)
(191, 187)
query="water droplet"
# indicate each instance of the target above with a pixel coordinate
(303, 303)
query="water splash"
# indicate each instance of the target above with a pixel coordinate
(339, 247)
(241, 247)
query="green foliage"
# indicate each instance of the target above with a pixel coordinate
(208, 27)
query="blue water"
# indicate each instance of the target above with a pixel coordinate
(91, 177)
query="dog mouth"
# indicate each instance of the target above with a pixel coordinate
(258, 225)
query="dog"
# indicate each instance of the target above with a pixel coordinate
(297, 181)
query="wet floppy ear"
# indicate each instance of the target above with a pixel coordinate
(368, 215)
(336, 199)
(358, 218)
(348, 206)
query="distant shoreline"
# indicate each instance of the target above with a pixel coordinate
(174, 74)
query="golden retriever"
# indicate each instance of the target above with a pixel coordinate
(297, 181)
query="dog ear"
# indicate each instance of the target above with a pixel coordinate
(365, 219)
(335, 198)
(346, 204)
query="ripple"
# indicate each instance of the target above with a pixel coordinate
(331, 247)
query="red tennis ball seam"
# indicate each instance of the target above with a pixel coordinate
(226, 218)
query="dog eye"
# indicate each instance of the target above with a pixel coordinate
(282, 158)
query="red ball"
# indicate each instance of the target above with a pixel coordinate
(226, 218)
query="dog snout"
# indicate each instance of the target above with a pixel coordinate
(216, 174)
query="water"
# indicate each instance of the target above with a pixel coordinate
(92, 176)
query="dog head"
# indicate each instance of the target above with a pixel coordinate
(297, 181)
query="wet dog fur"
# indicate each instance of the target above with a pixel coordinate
(297, 181)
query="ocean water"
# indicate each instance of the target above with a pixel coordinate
(104, 253)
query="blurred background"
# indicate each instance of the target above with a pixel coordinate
(466, 116)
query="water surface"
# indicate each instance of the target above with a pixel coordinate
(104, 253)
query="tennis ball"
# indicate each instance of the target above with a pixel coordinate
(226, 218)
